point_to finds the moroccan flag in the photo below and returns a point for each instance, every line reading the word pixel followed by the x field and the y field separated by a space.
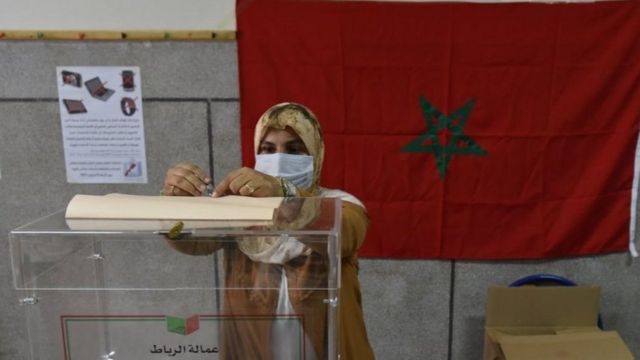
pixel 470 131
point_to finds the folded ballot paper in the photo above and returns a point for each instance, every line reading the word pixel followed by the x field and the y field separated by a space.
pixel 137 212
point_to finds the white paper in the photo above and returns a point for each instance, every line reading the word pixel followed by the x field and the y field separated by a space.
pixel 102 124
pixel 138 212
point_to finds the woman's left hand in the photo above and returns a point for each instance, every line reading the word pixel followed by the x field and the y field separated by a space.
pixel 248 182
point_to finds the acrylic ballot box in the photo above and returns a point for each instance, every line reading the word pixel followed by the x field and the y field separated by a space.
pixel 219 292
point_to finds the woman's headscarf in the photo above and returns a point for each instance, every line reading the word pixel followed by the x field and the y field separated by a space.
pixel 304 123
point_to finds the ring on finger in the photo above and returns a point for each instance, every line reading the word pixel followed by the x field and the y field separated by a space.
pixel 250 188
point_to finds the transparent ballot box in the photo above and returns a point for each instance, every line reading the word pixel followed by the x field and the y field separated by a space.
pixel 267 291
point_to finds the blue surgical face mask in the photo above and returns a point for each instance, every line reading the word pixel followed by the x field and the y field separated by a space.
pixel 296 168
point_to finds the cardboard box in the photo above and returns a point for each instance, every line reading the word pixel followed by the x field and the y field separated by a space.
pixel 548 323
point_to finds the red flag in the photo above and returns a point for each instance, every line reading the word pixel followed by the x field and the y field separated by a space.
pixel 470 131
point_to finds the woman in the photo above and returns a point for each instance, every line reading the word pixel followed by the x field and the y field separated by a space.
pixel 289 154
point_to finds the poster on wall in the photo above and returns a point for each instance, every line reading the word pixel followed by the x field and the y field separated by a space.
pixel 102 124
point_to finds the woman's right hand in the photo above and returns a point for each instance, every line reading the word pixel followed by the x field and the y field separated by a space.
pixel 185 179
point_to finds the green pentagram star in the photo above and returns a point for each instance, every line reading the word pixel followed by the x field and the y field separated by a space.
pixel 451 127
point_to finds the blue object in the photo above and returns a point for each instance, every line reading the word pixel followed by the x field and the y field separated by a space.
pixel 543 279
pixel 546 280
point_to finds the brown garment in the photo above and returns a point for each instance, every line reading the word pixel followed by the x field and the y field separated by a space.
pixel 251 292
pixel 354 343
pixel 257 283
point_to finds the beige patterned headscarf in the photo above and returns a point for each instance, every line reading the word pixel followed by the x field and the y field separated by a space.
pixel 304 123
pixel 273 249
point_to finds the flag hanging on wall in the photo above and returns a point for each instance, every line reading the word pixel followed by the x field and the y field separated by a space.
pixel 470 131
